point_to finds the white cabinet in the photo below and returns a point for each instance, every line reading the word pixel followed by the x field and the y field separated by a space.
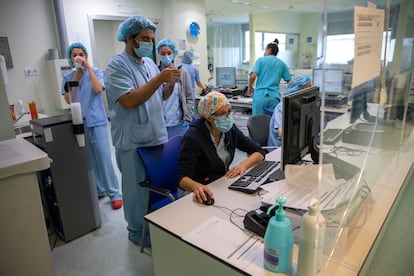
pixel 23 236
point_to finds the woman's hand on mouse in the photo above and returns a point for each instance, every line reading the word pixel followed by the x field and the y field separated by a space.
pixel 199 193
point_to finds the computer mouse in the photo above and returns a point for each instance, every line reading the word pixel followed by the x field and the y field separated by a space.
pixel 208 201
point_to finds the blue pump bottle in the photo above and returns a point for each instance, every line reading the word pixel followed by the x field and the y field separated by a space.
pixel 278 240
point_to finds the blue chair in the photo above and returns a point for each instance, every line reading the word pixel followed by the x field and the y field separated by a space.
pixel 161 165
pixel 268 111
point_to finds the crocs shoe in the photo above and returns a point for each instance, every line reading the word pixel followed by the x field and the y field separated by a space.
pixel 116 204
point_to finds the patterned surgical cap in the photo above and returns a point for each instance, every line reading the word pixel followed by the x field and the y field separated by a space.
pixel 210 103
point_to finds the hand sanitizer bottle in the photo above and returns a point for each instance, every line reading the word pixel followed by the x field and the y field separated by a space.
pixel 311 241
pixel 278 240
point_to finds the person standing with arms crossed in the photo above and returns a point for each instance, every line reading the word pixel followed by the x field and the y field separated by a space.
pixel 134 87
pixel 268 70
pixel 187 62
pixel 89 95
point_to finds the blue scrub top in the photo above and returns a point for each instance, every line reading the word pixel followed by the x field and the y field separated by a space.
pixel 270 70
pixel 92 106
pixel 275 123
pixel 173 114
pixel 194 73
pixel 144 125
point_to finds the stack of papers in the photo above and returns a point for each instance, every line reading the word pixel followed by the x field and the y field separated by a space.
pixel 302 183
pixel 226 241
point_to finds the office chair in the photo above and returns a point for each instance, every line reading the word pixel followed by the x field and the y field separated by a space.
pixel 161 165
pixel 258 127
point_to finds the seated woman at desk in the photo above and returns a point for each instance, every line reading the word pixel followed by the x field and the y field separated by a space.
pixel 297 83
pixel 208 147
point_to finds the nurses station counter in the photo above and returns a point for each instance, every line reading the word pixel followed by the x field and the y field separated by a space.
pixel 23 236
pixel 189 238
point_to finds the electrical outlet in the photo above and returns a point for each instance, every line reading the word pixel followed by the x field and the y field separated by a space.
pixel 31 71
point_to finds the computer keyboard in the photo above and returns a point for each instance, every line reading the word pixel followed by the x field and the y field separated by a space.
pixel 254 178
pixel 332 135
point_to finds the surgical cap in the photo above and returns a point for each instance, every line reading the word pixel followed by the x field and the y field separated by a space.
pixel 210 103
pixel 168 43
pixel 188 57
pixel 133 26
pixel 296 83
pixel 71 47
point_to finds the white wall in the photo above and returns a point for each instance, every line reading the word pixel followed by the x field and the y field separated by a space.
pixel 306 25
pixel 177 14
pixel 30 28
pixel 6 127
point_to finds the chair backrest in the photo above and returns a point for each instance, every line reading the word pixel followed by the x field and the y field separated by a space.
pixel 161 165
pixel 258 127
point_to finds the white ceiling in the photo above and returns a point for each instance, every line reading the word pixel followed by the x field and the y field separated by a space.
pixel 237 11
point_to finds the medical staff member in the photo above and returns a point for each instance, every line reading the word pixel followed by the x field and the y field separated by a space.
pixel 134 87
pixel 178 98
pixel 268 70
pixel 89 95
pixel 275 126
pixel 208 147
pixel 187 62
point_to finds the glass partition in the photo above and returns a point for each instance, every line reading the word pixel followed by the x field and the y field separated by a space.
pixel 362 169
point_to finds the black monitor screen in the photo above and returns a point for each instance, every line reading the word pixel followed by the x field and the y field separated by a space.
pixel 360 96
pixel 300 126
pixel 226 77
pixel 330 81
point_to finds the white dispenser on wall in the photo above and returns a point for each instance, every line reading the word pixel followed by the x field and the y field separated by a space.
pixel 57 69
pixel 312 234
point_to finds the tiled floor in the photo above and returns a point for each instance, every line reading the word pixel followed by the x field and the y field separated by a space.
pixel 107 250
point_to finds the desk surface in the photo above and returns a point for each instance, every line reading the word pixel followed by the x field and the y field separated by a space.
pixel 352 243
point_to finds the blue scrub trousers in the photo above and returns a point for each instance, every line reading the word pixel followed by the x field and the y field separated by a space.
pixel 106 180
pixel 258 105
pixel 134 196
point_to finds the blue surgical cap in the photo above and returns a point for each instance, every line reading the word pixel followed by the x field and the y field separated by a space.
pixel 296 83
pixel 168 43
pixel 70 48
pixel 133 26
pixel 188 57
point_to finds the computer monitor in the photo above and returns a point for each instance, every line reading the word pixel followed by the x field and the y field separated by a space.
pixel 226 77
pixel 360 96
pixel 300 128
pixel 331 80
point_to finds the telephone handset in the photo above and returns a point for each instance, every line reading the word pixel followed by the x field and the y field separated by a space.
pixel 256 221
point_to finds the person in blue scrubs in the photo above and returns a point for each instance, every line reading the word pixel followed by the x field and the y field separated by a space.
pixel 134 88
pixel 275 126
pixel 268 70
pixel 89 95
pixel 178 98
pixel 187 62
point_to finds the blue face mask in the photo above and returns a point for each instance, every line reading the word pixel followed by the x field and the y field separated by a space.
pixel 144 50
pixel 224 123
pixel 167 60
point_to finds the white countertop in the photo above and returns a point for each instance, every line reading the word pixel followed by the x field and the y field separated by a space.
pixel 18 156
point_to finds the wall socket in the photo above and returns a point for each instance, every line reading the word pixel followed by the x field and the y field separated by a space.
pixel 32 71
